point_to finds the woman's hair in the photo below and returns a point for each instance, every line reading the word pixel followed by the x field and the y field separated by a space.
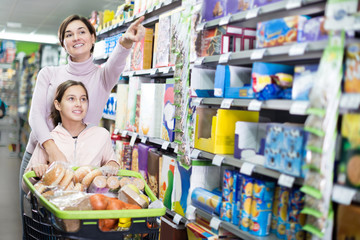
pixel 55 114
pixel 68 20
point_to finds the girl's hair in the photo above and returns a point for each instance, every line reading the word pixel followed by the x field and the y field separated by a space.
pixel 55 114
pixel 67 21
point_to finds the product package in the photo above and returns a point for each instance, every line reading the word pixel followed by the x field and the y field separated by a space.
pixel 168 113
pixel 312 30
pixel 304 78
pixel 151 109
pixel 352 79
pixel 163 41
pixel 233 82
pixel 153 170
pixel 259 3
pixel 167 174
pixel 278 32
pixel 202 84
pixel 121 108
pixel 181 193
pixel 141 54
pixel 213 9
pixel 211 41
pixel 220 137
pixel 143 150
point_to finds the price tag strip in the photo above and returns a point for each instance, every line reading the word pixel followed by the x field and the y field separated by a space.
pixel 286 180
pixel 225 20
pixel 343 195
pixel 299 107
pixel 226 103
pixel 298 49
pixel 255 105
pixel 165 145
pixel 124 133
pixel 154 71
pixel 224 58
pixel 200 27
pixel 350 101
pixel 144 139
pixel 258 54
pixel 217 160
pixel 293 4
pixel 199 61
pixel 190 212
pixel 215 223
pixel 197 101
pixel 116 131
pixel 177 219
pixel 253 13
pixel 247 168
pixel 195 154
pixel 176 148
pixel 133 139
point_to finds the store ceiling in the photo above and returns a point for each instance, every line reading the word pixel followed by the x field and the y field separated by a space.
pixel 44 16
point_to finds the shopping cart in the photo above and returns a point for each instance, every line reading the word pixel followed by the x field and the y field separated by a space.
pixel 45 220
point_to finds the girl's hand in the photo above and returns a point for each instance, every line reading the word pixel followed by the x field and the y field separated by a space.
pixel 110 169
pixel 53 152
pixel 40 169
pixel 134 33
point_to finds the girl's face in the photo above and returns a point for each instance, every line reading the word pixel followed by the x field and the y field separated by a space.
pixel 74 104
pixel 78 41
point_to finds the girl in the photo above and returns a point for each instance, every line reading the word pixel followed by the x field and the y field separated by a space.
pixel 81 143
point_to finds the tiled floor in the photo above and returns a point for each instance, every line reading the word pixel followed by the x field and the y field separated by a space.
pixel 10 221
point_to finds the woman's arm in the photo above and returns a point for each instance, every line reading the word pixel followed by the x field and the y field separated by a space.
pixel 38 116
pixel 117 60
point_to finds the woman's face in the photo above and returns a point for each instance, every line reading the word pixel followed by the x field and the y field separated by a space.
pixel 74 104
pixel 78 41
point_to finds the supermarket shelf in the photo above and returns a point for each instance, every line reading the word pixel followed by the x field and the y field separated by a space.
pixel 350 102
pixel 234 229
pixel 176 217
pixel 5 65
pixel 294 107
pixel 279 9
pixel 345 195
pixel 311 51
pixel 163 71
pixel 108 116
pixel 151 16
pixel 164 144
pixel 256 160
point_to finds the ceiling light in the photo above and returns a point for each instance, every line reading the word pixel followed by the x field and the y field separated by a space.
pixel 13 24
pixel 40 38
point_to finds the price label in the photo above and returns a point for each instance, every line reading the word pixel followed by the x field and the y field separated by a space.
pixel 190 212
pixel 215 223
pixel 176 148
pixel 133 139
pixel 154 71
pixel 350 101
pixel 199 61
pixel 124 133
pixel 226 103
pixel 195 153
pixel 200 26
pixel 130 19
pixel 225 20
pixel 167 2
pixel 116 131
pixel 255 105
pixel 197 101
pixel 131 74
pixel 247 168
pixel 286 180
pixel 258 54
pixel 177 219
pixel 293 4
pixel 224 58
pixel 298 49
pixel 217 160
pixel 299 107
pixel 253 13
pixel 343 195
pixel 144 139
pixel 165 145
pixel 167 70
pixel 141 14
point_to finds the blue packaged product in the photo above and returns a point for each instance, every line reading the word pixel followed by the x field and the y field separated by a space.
pixel 206 200
pixel 304 78
pixel 261 207
pixel 274 214
pixel 228 184
pixel 226 211
pixel 236 199
pixel 246 199
pixel 283 212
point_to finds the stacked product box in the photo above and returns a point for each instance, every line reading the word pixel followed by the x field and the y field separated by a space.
pixel 238 39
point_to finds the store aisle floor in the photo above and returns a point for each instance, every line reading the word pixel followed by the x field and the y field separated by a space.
pixel 10 221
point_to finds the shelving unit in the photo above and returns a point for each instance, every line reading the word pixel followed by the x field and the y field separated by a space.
pixel 234 229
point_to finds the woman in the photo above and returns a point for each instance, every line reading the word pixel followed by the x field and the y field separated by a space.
pixel 77 36
pixel 81 144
